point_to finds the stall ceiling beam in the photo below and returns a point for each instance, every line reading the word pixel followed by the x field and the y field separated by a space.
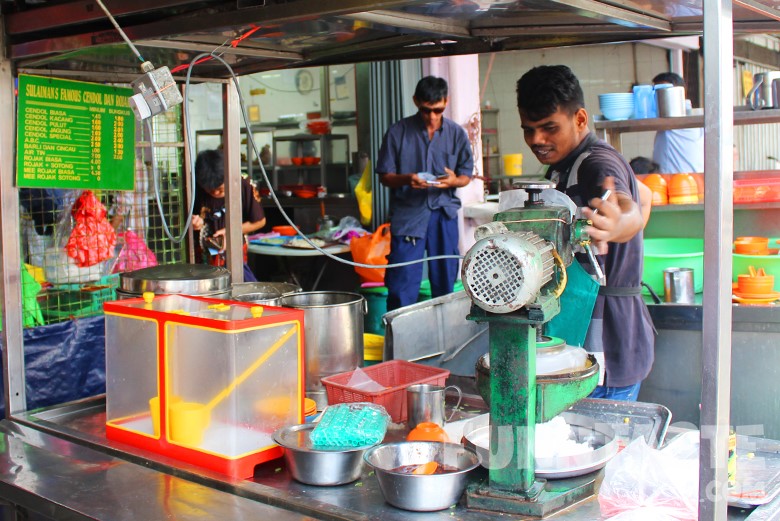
pixel 561 29
pixel 608 13
pixel 429 24
pixel 205 47
pixel 765 10
pixel 60 15
pixel 204 20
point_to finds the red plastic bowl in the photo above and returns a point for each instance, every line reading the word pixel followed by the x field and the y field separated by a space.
pixel 311 161
pixel 284 230
pixel 297 161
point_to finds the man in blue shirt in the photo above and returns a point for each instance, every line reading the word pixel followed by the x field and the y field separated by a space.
pixel 423 159
pixel 678 150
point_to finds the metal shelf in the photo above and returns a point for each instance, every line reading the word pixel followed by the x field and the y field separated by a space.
pixel 326 158
pixel 611 131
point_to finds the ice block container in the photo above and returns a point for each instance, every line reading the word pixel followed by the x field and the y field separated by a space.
pixel 203 380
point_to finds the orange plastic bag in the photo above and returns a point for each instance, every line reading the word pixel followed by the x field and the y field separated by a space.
pixel 371 249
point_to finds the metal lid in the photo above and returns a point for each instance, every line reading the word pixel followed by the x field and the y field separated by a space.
pixel 186 279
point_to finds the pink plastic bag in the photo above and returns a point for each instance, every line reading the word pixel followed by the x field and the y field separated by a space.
pixel 135 254
pixel 645 483
pixel 92 239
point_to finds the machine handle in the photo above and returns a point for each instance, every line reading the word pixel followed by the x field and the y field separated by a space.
pixel 600 278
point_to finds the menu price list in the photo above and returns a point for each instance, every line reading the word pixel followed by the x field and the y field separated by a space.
pixel 74 135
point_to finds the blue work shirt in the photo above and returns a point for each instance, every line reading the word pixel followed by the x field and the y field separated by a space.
pixel 406 149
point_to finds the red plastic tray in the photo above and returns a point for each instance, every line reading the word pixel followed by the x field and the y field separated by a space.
pixel 395 375
pixel 765 190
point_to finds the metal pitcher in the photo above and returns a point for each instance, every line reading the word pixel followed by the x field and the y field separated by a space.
pixel 764 94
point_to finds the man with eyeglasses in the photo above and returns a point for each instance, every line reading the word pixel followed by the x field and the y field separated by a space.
pixel 424 158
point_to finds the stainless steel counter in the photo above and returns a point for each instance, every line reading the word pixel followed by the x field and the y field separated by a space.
pixel 675 379
pixel 57 462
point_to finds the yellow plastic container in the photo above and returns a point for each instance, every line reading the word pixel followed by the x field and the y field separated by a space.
pixel 373 348
pixel 513 164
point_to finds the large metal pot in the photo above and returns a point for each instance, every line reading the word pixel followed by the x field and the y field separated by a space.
pixel 334 335
pixel 265 293
pixel 186 279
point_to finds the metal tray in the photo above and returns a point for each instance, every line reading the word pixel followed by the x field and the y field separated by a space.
pixel 758 472
pixel 629 420
pixel 476 436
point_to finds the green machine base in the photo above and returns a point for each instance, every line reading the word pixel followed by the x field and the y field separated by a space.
pixel 556 495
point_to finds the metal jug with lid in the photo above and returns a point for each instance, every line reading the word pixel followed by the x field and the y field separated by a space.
pixel 764 94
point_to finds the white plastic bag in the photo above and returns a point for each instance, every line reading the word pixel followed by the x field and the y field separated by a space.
pixel 646 483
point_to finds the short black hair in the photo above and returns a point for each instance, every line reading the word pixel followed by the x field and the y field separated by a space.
pixel 210 169
pixel 644 165
pixel 431 89
pixel 669 77
pixel 543 90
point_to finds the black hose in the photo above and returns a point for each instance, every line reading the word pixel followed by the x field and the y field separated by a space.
pixel 653 294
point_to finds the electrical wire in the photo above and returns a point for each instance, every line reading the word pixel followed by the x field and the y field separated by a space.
pixel 121 32
pixel 250 139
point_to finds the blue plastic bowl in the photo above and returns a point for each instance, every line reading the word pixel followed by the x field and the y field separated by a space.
pixel 614 113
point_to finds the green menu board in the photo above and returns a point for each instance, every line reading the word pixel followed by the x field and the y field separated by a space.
pixel 73 134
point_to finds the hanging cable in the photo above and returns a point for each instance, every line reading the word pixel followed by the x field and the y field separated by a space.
pixel 121 32
pixel 250 140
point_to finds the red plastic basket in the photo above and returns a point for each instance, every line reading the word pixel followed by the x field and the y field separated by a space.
pixel 395 375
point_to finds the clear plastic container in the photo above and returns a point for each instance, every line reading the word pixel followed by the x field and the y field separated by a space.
pixel 203 380
pixel 565 360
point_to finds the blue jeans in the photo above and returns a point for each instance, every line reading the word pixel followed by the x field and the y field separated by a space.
pixel 403 284
pixel 628 393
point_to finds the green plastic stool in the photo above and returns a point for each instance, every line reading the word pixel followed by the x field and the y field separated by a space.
pixel 376 301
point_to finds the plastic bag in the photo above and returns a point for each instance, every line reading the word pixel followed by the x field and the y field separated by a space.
pixel 661 484
pixel 93 238
pixel 350 425
pixel 135 254
pixel 371 249
pixel 363 192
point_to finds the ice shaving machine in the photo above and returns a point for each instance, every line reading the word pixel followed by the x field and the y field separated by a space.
pixel 514 275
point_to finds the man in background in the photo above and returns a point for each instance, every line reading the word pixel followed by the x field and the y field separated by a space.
pixel 423 159
pixel 678 150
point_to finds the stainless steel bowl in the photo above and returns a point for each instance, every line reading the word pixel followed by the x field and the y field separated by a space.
pixel 318 467
pixel 421 493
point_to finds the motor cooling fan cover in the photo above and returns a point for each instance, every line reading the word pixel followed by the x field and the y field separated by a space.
pixel 503 273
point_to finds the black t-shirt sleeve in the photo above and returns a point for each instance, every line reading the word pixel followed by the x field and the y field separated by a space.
pixel 251 211
pixel 599 165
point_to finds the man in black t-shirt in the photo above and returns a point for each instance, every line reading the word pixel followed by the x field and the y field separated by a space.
pixel 209 212
pixel 555 126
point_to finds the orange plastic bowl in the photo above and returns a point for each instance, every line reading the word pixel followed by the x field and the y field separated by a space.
pixel 311 160
pixel 751 245
pixel 428 431
pixel 297 161
pixel 284 230
pixel 655 182
pixel 683 184
pixel 755 284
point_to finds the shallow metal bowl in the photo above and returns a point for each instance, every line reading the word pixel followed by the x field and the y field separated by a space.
pixel 318 467
pixel 599 435
pixel 421 493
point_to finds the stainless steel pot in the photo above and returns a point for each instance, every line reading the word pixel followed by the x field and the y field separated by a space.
pixel 186 279
pixel 265 293
pixel 333 324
